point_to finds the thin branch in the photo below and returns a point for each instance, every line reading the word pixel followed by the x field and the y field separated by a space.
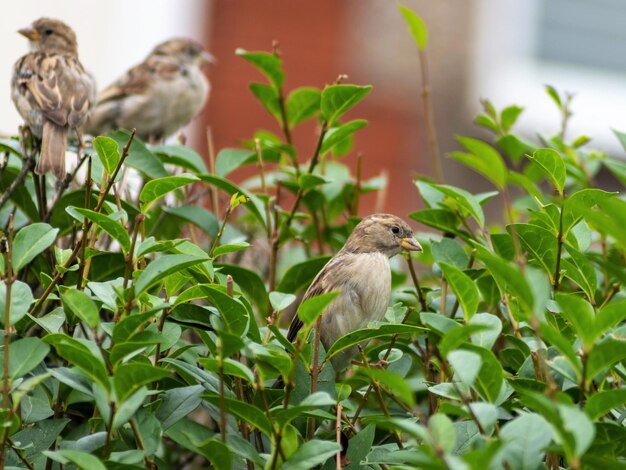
pixel 429 113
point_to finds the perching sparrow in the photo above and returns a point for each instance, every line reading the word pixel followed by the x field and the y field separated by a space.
pixel 51 90
pixel 158 96
pixel 361 273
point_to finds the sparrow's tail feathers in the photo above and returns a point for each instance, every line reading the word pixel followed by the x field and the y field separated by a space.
pixel 53 145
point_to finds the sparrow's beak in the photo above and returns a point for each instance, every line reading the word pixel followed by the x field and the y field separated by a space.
pixel 207 58
pixel 30 33
pixel 410 244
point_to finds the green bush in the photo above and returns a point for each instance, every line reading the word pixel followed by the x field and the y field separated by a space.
pixel 144 330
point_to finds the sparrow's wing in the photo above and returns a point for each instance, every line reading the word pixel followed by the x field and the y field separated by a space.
pixel 330 278
pixel 139 79
pixel 57 86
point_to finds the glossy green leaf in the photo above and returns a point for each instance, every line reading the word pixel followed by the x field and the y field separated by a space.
pixel 269 64
pixel 313 307
pixel 302 104
pixel 337 99
pixel 482 158
pixel 551 163
pixel 162 267
pixel 416 25
pixel 80 305
pixel 158 188
pixel 113 227
pixel 335 135
pixel 30 241
pixel 21 300
pixel 108 152
pixel 464 288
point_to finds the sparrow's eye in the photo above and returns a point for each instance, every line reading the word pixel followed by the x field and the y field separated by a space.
pixel 395 230
pixel 48 32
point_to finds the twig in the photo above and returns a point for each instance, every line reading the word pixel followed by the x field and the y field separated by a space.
pixel 338 434
pixel 416 283
pixel 392 343
pixel 314 372
pixel 64 184
pixel 357 185
pixel 7 335
pixel 59 275
pixel 28 163
pixel 107 442
pixel 221 231
pixel 430 117
pixel 20 455
pixel 381 398
pixel 139 441
pixel 213 189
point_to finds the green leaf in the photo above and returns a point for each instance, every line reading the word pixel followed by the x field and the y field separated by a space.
pixel 178 403
pixel 25 354
pixel 249 282
pixel 268 97
pixel 442 432
pixel 337 99
pixel 310 454
pixel 231 367
pixel 199 216
pixel 552 93
pixel 466 365
pixel 580 315
pixel 507 276
pixel 83 460
pixel 269 64
pixel 335 135
pixel 490 380
pixel 552 165
pixel 609 316
pixel 308 181
pixel 526 439
pixel 600 403
pixel 81 305
pixel 462 199
pixel 303 103
pixel 416 25
pixel 251 414
pixel 449 251
pixel 540 243
pixel 254 205
pixel 313 307
pixel 358 336
pixel 509 116
pixel 464 288
pixel 113 227
pixel 30 241
pixel 229 160
pixel 604 355
pixel 129 378
pixel 579 269
pixel 579 426
pixel 108 152
pixel 162 267
pixel 281 301
pixel 79 355
pixel 181 156
pixel 139 157
pixel 35 440
pixel 158 188
pixel 300 275
pixel 21 299
pixel 439 219
pixel 484 159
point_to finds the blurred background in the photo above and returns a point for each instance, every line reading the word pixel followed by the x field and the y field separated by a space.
pixel 503 50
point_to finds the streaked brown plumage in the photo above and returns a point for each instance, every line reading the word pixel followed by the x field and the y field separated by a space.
pixel 360 271
pixel 158 96
pixel 51 90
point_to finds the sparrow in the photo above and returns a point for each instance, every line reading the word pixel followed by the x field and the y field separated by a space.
pixel 158 96
pixel 51 90
pixel 361 273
